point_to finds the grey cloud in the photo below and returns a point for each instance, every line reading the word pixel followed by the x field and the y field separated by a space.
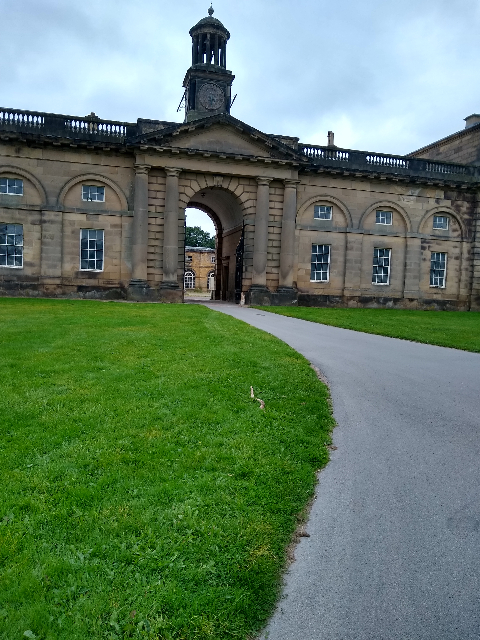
pixel 387 76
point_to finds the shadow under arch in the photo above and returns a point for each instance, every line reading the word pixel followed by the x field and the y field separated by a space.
pixel 226 210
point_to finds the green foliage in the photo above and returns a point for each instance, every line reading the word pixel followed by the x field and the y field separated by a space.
pixel 456 329
pixel 144 493
pixel 197 237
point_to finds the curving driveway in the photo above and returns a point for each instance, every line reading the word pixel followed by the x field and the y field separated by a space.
pixel 394 546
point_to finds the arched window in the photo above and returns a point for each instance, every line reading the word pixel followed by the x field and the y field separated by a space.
pixel 211 281
pixel 189 279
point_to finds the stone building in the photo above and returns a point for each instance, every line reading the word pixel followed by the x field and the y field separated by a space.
pixel 96 208
pixel 199 269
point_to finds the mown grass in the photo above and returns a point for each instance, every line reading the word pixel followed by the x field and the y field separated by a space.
pixel 456 329
pixel 144 494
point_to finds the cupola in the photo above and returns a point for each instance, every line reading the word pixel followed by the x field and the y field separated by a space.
pixel 209 42
pixel 208 82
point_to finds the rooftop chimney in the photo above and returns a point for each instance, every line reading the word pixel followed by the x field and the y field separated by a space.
pixel 470 121
pixel 331 136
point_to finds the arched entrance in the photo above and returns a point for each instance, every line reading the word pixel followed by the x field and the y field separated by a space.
pixel 226 212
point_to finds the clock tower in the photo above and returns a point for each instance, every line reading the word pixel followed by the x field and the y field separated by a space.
pixel 208 84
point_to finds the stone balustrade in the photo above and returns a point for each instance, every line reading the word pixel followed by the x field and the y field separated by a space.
pixel 95 130
pixel 52 124
pixel 349 160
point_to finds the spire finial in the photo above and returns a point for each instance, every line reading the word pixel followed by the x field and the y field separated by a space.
pixel 211 11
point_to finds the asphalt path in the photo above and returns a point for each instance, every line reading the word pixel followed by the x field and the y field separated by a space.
pixel 394 546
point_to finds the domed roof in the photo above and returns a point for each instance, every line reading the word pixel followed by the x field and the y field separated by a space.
pixel 210 21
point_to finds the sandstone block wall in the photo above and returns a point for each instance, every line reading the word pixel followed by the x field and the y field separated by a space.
pixel 53 213
pixel 462 147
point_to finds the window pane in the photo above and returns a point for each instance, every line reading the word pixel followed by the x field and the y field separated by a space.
pixel 320 263
pixel 440 222
pixel 93 193
pixel 438 266
pixel 322 212
pixel 91 249
pixel 12 186
pixel 383 217
pixel 381 266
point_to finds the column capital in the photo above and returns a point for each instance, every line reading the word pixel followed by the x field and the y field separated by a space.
pixel 142 168
pixel 264 181
pixel 172 172
pixel 290 184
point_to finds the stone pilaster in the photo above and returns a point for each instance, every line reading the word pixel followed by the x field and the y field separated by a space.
pixel 353 268
pixel 413 258
pixel 287 246
pixel 170 242
pixel 140 227
pixel 260 243
pixel 51 251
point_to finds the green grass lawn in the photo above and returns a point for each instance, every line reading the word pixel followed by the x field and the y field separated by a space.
pixel 144 494
pixel 457 329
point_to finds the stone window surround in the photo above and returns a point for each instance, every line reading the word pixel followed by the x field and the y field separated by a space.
pixel 210 275
pixel 189 279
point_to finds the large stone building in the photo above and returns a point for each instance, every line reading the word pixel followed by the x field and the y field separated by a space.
pixel 199 269
pixel 95 208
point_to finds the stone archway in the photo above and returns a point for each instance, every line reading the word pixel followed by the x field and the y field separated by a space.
pixel 226 212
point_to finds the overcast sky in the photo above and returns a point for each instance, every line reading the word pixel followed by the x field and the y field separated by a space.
pixel 384 75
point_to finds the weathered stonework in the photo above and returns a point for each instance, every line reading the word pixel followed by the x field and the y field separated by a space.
pixel 261 192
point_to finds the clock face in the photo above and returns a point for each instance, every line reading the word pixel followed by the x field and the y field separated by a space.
pixel 211 96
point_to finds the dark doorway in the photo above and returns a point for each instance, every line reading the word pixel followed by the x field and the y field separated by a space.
pixel 239 267
pixel 225 274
